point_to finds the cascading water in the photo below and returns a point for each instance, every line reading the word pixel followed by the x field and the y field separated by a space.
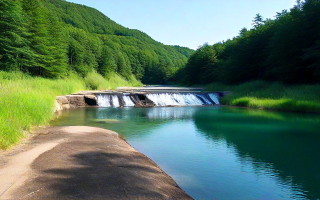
pixel 103 100
pixel 127 101
pixel 175 99
pixel 204 98
pixel 214 98
pixel 159 99
pixel 187 99
pixel 106 100
pixel 115 101
pixel 163 99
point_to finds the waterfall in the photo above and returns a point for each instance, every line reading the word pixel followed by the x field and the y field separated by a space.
pixel 163 99
pixel 214 98
pixel 127 101
pixel 115 101
pixel 156 99
pixel 175 99
pixel 103 100
pixel 204 98
pixel 106 100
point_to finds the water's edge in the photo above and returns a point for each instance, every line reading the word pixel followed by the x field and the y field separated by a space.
pixel 80 141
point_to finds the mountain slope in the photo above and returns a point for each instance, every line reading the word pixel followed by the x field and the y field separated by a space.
pixel 147 59
pixel 56 37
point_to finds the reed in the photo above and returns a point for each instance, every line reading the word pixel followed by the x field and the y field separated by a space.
pixel 271 95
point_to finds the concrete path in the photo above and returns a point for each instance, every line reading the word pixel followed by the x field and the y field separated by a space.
pixel 82 163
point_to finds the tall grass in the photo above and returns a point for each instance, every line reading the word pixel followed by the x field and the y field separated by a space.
pixel 28 101
pixel 271 95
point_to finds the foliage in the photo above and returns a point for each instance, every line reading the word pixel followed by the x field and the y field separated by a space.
pixel 49 38
pixel 95 81
pixel 271 95
pixel 14 45
pixel 27 102
pixel 285 49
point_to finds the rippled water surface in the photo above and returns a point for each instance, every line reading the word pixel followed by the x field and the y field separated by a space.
pixel 220 152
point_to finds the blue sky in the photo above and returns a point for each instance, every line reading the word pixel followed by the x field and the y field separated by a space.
pixel 188 23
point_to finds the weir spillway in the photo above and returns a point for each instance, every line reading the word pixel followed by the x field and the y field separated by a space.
pixel 139 97
pixel 157 96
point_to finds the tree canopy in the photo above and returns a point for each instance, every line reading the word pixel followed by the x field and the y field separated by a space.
pixel 285 49
pixel 50 38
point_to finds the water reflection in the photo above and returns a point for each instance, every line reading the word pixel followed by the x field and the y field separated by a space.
pixel 285 145
pixel 219 152
pixel 156 113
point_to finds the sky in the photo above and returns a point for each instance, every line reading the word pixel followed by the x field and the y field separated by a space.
pixel 188 23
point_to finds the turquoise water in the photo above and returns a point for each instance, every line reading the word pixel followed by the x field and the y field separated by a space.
pixel 221 152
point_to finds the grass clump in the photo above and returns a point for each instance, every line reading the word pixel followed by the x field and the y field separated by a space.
pixel 271 95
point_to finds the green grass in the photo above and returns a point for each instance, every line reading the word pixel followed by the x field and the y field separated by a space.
pixel 95 81
pixel 27 102
pixel 272 96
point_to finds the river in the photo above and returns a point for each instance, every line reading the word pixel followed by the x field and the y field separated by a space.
pixel 217 152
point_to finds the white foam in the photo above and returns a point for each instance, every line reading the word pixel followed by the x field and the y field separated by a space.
pixel 127 101
pixel 214 98
pixel 103 100
pixel 174 99
pixel 115 101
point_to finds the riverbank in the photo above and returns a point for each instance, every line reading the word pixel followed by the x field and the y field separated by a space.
pixel 82 163
pixel 271 96
pixel 28 102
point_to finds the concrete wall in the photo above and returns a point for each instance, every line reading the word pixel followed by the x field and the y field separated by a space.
pixel 75 101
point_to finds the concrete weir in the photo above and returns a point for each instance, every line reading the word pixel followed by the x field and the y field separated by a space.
pixel 140 97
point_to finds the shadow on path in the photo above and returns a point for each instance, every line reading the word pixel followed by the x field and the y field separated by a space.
pixel 97 166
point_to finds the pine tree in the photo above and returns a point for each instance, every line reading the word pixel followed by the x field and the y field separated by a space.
pixel 46 41
pixel 14 51
pixel 257 21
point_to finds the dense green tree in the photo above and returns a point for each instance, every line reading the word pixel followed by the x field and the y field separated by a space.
pixel 52 37
pixel 39 39
pixel 285 49
pixel 257 21
pixel 106 62
pixel 14 50
pixel 201 65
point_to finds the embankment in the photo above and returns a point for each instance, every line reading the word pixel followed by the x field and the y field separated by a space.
pixel 82 163
pixel 271 96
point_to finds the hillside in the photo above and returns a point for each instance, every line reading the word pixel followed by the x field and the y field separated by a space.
pixel 50 38
pixel 273 65
pixel 284 49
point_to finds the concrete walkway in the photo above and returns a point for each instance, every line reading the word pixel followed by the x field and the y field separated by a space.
pixel 82 163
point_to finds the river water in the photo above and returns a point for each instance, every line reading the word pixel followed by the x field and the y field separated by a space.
pixel 220 152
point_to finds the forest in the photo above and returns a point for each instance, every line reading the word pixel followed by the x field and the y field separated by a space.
pixel 285 49
pixel 53 38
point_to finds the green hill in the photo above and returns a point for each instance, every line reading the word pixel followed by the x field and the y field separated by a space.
pixel 50 38
pixel 285 49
